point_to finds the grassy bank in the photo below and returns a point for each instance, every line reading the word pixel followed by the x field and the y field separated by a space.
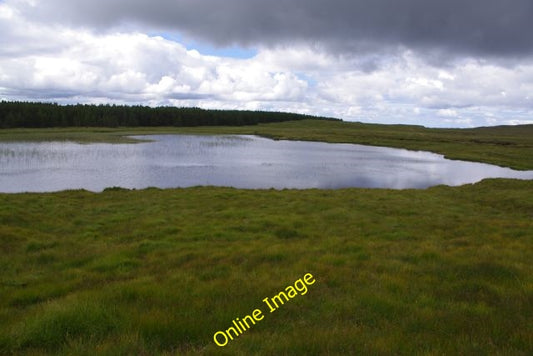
pixel 437 272
pixel 510 146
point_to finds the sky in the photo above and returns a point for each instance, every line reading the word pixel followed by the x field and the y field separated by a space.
pixel 436 63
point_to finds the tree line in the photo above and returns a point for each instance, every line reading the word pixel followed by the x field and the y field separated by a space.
pixel 37 115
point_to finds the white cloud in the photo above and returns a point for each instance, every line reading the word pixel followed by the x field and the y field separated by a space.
pixel 518 122
pixel 57 63
pixel 447 113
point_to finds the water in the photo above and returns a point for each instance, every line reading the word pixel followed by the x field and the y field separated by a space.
pixel 234 161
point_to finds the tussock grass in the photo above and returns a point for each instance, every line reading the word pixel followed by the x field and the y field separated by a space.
pixel 440 271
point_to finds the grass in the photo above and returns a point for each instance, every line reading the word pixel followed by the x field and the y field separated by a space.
pixel 440 271
pixel 508 146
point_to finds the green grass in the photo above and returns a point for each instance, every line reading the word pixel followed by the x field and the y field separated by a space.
pixel 509 146
pixel 442 271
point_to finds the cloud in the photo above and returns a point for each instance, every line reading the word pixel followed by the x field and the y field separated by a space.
pixel 473 27
pixel 129 68
pixel 107 52
pixel 447 113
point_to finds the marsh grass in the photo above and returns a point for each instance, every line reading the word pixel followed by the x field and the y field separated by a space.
pixel 440 271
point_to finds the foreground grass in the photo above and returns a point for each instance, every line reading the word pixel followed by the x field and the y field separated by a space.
pixel 509 146
pixel 440 271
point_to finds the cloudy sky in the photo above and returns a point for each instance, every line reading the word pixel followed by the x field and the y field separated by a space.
pixel 454 63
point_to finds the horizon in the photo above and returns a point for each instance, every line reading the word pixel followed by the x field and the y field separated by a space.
pixel 311 116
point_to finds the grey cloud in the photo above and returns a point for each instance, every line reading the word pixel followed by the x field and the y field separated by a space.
pixel 476 27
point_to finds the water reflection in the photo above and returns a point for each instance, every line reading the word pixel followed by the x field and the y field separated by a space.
pixel 237 161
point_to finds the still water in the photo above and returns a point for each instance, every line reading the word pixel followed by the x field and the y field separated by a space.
pixel 233 161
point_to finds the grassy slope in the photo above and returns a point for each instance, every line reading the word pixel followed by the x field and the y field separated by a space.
pixel 440 271
pixel 510 146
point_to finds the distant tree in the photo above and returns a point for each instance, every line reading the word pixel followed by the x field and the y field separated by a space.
pixel 28 114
